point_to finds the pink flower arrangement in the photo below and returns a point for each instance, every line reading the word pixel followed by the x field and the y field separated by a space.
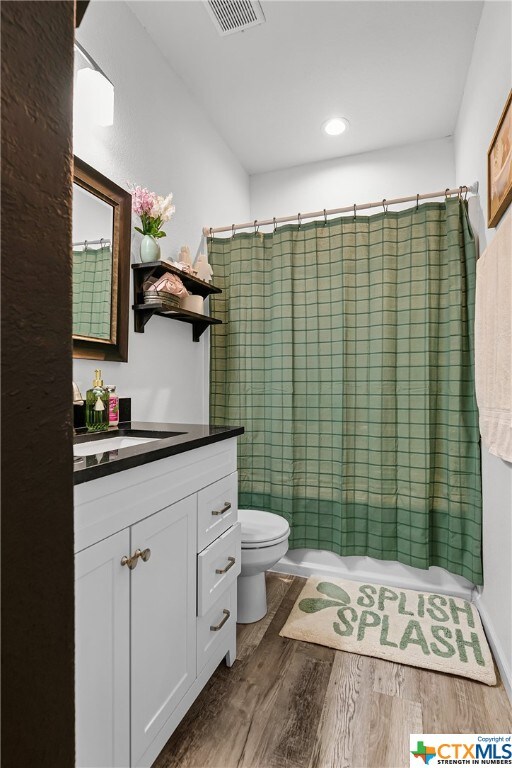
pixel 153 210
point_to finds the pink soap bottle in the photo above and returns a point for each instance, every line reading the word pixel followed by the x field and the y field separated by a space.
pixel 113 406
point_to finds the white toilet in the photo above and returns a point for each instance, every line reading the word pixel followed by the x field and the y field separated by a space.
pixel 264 542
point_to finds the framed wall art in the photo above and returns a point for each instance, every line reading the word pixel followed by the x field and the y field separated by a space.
pixel 499 167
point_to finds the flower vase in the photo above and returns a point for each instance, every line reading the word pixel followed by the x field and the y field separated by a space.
pixel 149 249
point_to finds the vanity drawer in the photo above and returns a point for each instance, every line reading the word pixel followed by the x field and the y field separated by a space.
pixel 216 509
pixel 217 568
pixel 215 627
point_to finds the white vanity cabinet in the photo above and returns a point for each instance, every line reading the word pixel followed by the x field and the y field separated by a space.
pixel 102 654
pixel 155 599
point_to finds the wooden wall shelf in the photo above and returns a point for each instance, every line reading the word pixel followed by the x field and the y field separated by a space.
pixel 144 312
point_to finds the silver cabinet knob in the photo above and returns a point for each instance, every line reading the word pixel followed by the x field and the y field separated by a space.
pixel 145 554
pixel 132 561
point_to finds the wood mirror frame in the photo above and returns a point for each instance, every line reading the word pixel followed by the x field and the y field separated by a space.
pixel 115 348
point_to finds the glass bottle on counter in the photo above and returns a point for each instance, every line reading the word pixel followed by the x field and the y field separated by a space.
pixel 113 406
pixel 96 405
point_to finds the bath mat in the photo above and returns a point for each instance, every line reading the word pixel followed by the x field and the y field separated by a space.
pixel 421 629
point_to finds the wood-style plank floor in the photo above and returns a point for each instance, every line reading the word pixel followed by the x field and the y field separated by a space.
pixel 290 704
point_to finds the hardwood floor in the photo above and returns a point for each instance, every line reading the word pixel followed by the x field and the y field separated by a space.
pixel 290 704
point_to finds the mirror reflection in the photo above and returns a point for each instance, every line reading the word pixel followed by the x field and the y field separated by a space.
pixel 93 221
pixel 101 265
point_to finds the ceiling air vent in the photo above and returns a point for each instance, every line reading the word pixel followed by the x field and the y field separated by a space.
pixel 234 15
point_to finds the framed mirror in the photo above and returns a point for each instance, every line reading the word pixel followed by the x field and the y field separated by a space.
pixel 101 265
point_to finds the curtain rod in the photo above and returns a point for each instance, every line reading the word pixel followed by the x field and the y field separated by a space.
pixel 362 206
pixel 93 242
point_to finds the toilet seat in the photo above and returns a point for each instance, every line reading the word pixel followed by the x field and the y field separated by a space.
pixel 262 529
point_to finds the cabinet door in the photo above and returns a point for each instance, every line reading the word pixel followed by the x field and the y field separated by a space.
pixel 102 662
pixel 163 624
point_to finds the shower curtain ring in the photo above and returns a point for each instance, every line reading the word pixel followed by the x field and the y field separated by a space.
pixel 460 192
pixel 446 195
pixel 101 243
pixel 465 194
pixel 275 223
pixel 232 230
pixel 355 211
pixel 85 245
pixel 325 217
pixel 299 219
pixel 384 205
pixel 256 226
pixel 417 200
pixel 211 231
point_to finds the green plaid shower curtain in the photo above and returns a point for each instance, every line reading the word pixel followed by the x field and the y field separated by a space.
pixel 347 354
pixel 92 292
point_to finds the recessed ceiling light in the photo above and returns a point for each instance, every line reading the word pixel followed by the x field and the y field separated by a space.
pixel 335 126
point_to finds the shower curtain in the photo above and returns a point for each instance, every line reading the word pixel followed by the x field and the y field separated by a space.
pixel 92 292
pixel 346 351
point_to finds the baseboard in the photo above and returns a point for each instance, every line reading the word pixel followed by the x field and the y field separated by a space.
pixel 406 579
pixel 502 662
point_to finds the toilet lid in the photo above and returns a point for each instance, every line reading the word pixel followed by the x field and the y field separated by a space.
pixel 262 528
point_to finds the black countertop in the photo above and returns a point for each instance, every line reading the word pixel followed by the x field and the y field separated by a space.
pixel 104 463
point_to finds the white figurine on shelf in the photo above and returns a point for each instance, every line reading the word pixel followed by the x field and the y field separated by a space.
pixel 185 261
pixel 184 255
pixel 203 269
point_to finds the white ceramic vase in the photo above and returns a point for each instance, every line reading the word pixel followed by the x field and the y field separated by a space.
pixel 149 249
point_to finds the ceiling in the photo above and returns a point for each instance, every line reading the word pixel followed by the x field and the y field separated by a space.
pixel 395 70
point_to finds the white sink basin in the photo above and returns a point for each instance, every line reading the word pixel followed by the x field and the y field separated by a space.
pixel 109 444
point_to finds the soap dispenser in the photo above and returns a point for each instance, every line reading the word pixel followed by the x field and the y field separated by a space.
pixel 96 405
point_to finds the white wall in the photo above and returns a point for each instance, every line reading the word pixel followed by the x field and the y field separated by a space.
pixel 424 167
pixel 160 139
pixel 487 86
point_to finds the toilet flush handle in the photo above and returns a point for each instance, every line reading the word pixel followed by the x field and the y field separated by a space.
pixel 225 508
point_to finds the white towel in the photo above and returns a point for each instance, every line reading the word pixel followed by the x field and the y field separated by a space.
pixel 493 341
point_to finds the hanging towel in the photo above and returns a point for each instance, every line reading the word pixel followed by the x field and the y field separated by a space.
pixel 493 341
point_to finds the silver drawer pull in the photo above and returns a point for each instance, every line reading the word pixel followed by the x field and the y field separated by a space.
pixel 231 562
pixel 216 628
pixel 225 508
